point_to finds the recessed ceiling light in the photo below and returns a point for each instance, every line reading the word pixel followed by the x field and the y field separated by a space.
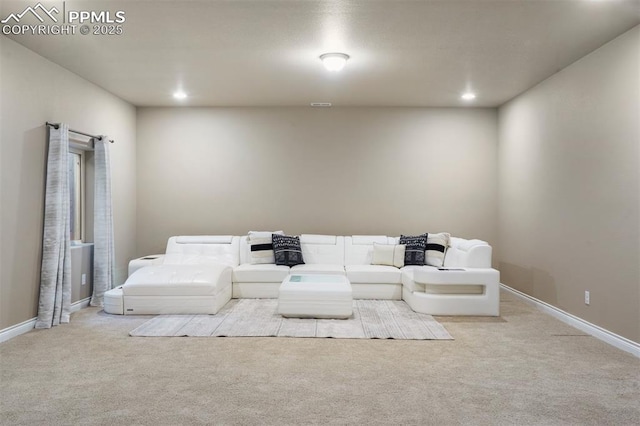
pixel 179 95
pixel 468 96
pixel 334 61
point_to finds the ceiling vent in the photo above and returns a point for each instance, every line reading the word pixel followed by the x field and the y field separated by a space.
pixel 321 104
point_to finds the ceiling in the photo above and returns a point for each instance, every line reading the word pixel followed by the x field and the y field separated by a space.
pixel 265 53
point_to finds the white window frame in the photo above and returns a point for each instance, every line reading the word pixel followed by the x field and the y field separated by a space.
pixel 82 193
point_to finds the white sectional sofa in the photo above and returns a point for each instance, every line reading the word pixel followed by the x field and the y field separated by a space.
pixel 199 274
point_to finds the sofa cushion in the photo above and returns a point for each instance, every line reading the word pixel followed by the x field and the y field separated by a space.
pixel 262 273
pixel 177 280
pixel 203 249
pixel 415 251
pixel 318 268
pixel 436 247
pixel 322 248
pixel 388 254
pixel 358 249
pixel 204 239
pixel 287 250
pixel 369 239
pixel 261 246
pixel 318 239
pixel 373 274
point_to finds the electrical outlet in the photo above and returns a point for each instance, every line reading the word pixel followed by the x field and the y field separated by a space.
pixel 84 279
pixel 586 297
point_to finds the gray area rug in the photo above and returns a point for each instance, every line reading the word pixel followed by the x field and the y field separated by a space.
pixel 371 319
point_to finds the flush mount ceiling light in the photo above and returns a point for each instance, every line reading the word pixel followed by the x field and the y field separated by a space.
pixel 468 96
pixel 179 94
pixel 334 62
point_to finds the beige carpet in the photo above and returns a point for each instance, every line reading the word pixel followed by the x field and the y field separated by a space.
pixel 524 368
pixel 371 319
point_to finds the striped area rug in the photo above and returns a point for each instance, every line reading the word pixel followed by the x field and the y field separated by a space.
pixel 371 319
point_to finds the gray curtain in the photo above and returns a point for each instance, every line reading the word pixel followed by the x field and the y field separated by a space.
pixel 103 255
pixel 55 274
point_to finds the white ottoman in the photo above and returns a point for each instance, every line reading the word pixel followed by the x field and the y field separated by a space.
pixel 315 296
pixel 113 301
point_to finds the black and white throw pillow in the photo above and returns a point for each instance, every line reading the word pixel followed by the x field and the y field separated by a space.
pixel 415 251
pixel 436 248
pixel 261 246
pixel 287 250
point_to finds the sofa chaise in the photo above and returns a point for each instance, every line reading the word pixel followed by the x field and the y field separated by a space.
pixel 200 274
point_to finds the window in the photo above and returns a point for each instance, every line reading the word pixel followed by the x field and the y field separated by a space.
pixel 77 194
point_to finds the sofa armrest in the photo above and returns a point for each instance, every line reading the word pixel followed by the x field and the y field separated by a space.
pixel 457 291
pixel 457 276
pixel 141 262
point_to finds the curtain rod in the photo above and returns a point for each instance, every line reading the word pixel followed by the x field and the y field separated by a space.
pixel 57 125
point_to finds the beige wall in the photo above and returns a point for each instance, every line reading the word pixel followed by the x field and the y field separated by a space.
pixel 34 90
pixel 81 264
pixel 566 168
pixel 569 188
pixel 305 170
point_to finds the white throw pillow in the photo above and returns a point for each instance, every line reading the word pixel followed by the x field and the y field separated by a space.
pixel 261 247
pixel 388 254
pixel 437 245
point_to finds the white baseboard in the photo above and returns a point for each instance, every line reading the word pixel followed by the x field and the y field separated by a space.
pixel 598 332
pixel 80 304
pixel 16 330
pixel 25 326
